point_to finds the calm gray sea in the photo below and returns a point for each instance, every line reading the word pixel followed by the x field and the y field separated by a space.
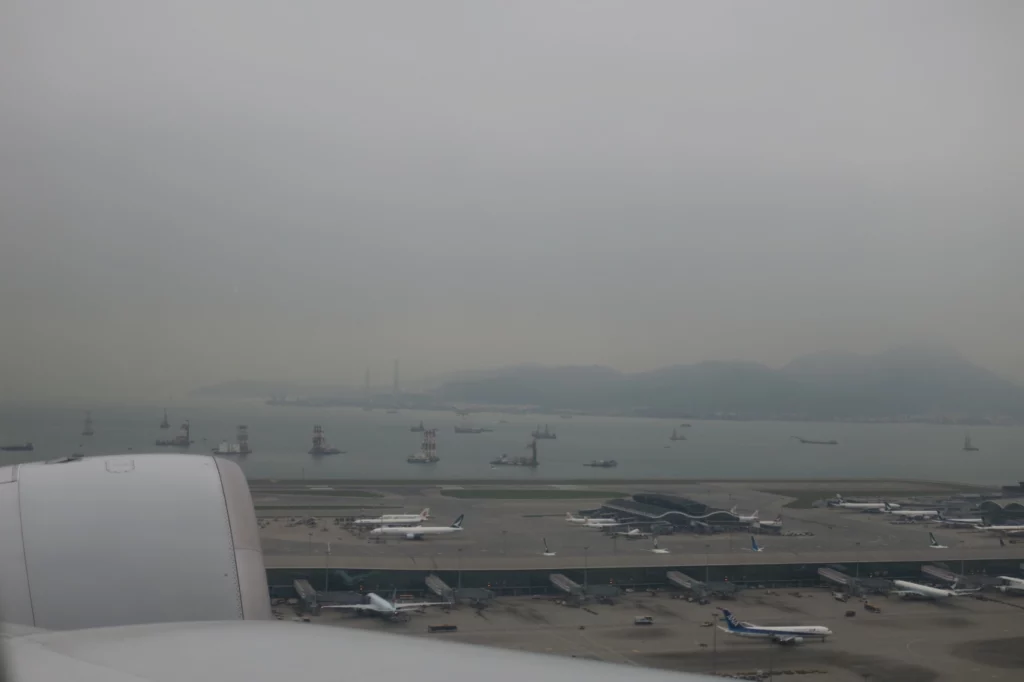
pixel 377 444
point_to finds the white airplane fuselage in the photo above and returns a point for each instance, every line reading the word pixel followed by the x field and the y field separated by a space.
pixel 909 589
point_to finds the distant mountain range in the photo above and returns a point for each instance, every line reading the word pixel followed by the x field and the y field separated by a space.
pixel 899 383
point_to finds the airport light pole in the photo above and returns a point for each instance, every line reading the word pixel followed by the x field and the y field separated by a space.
pixel 585 550
pixel 714 643
pixel 327 569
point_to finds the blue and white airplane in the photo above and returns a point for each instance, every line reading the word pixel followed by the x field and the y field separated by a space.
pixel 754 547
pixel 785 634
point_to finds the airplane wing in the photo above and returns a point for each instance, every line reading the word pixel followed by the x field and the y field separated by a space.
pixel 353 607
pixel 251 651
pixel 419 605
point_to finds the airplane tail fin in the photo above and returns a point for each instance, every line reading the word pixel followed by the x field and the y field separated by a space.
pixel 931 536
pixel 425 514
pixel 733 510
pixel 457 523
pixel 753 544
pixel 655 543
pixel 885 505
pixel 545 541
pixel 755 513
pixel 568 516
pixel 730 619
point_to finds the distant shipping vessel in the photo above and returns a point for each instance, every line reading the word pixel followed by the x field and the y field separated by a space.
pixel 603 463
pixel 165 424
pixel 240 447
pixel 531 461
pixel 684 426
pixel 816 442
pixel 968 446
pixel 471 429
pixel 676 436
pixel 320 446
pixel 546 434
pixel 417 429
pixel 428 449
pixel 87 429
pixel 182 440
pixel 23 447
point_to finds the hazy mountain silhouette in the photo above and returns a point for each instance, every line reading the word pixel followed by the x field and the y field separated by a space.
pixel 829 385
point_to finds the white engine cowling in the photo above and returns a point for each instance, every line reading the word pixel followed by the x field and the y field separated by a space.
pixel 128 539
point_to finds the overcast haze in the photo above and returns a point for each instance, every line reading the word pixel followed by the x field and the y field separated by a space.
pixel 200 191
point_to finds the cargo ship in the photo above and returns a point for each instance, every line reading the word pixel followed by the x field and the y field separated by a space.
pixel 531 461
pixel 320 446
pixel 428 449
pixel 469 429
pixel 603 463
pixel 816 442
pixel 676 436
pixel 240 447
pixel 546 434
pixel 165 424
pixel 182 440
pixel 968 445
pixel 22 447
pixel 417 429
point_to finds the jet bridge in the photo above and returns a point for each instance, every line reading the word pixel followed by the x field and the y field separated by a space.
pixel 565 585
pixel 440 588
pixel 687 583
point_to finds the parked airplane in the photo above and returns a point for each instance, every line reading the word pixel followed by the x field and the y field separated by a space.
pixel 419 532
pixel 395 519
pixel 754 547
pixel 777 523
pixel 744 519
pixel 658 550
pixel 966 523
pixel 379 606
pixel 547 552
pixel 785 634
pixel 631 534
pixel 910 513
pixel 1011 585
pixel 863 506
pixel 575 519
pixel 934 544
pixel 1002 530
pixel 909 590
pixel 602 523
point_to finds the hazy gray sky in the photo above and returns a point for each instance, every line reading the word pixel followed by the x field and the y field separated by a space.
pixel 207 190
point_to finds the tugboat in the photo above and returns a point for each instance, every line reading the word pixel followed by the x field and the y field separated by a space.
pixel 676 436
pixel 417 429
pixel 320 446
pixel 546 434
pixel 23 447
pixel 428 449
pixel 603 463
pixel 182 440
pixel 87 429
pixel 165 424
pixel 531 462
pixel 816 442
pixel 241 447
pixel 968 446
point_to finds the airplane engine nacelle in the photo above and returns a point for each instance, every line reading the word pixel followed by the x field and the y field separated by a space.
pixel 129 539
pixel 410 536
